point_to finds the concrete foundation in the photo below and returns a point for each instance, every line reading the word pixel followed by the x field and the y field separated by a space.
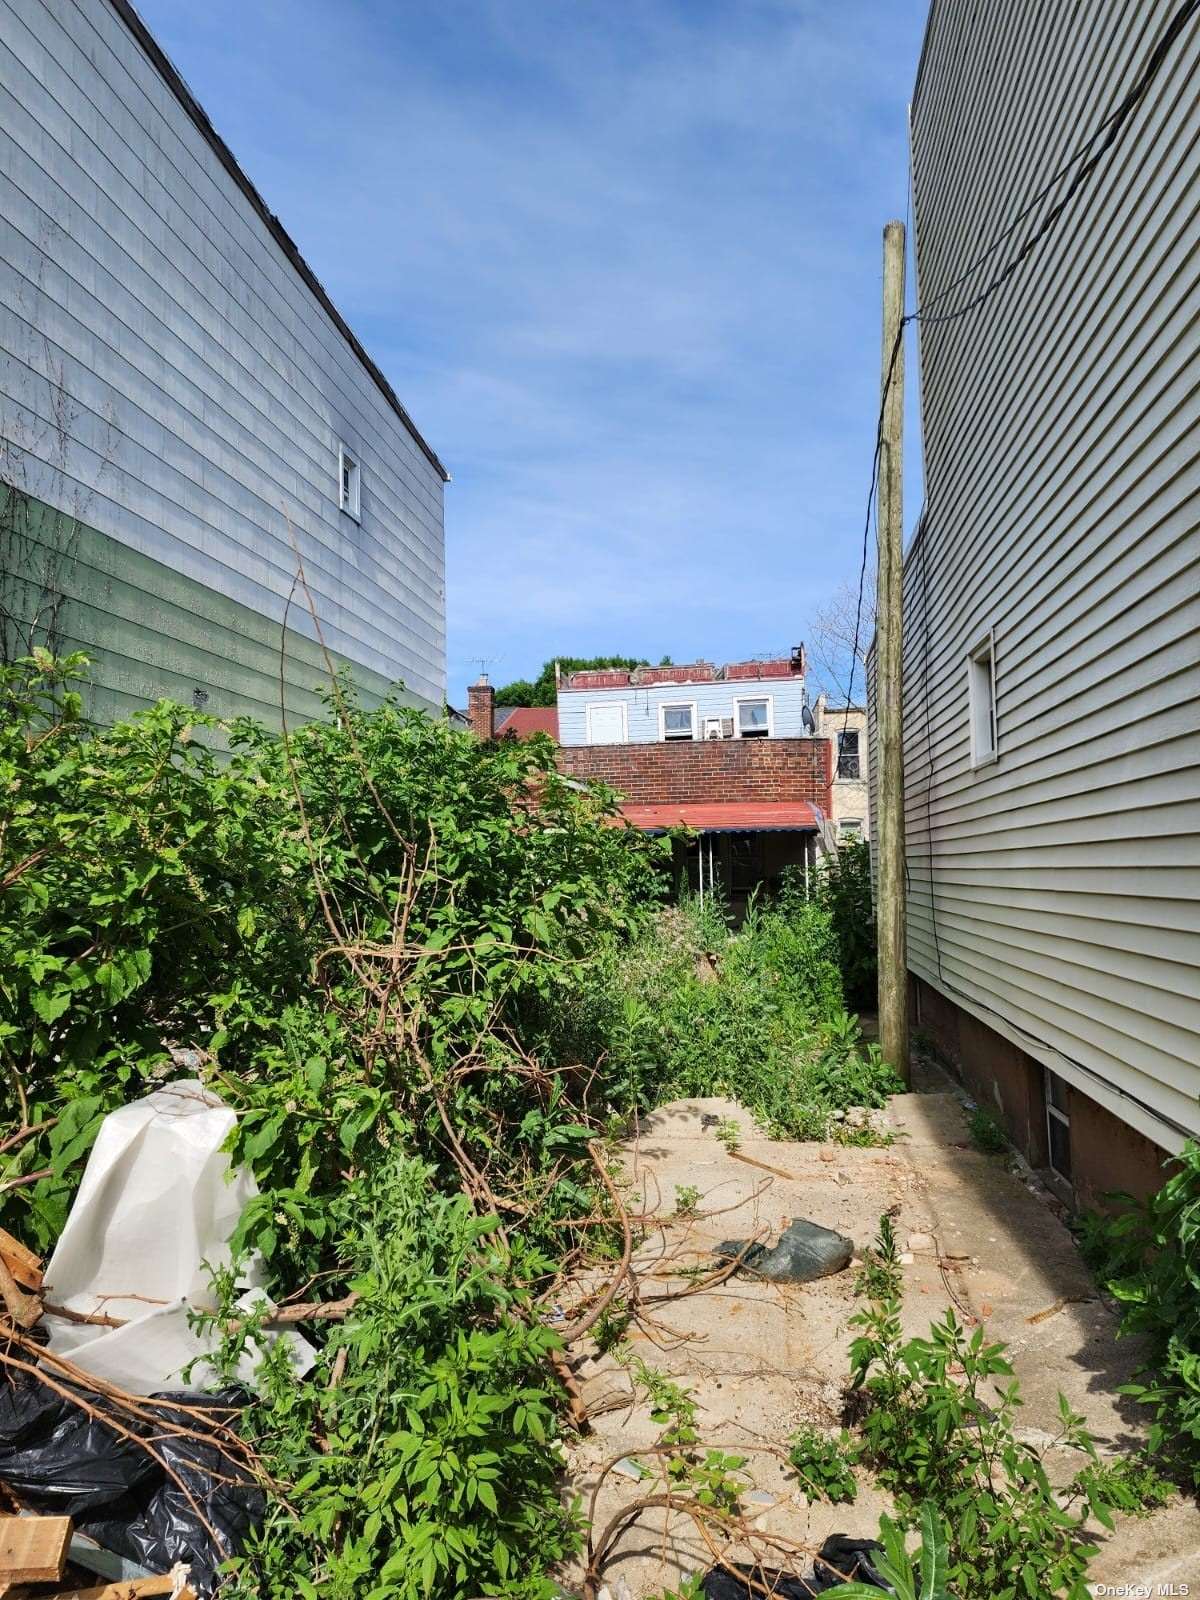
pixel 1097 1154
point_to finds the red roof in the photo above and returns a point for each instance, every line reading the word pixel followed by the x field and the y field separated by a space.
pixel 522 722
pixel 731 817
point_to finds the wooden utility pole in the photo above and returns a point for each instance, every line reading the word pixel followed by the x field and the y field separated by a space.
pixel 889 828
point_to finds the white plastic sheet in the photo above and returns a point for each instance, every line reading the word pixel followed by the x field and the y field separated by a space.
pixel 156 1209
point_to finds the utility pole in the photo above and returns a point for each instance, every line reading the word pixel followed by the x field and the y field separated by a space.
pixel 889 832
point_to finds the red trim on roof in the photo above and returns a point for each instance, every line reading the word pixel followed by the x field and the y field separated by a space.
pixel 522 722
pixel 730 817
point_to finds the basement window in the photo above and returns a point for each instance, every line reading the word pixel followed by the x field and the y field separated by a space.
pixel 679 722
pixel 349 483
pixel 981 686
pixel 850 828
pixel 754 719
pixel 1058 1125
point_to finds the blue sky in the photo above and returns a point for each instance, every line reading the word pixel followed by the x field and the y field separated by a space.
pixel 621 263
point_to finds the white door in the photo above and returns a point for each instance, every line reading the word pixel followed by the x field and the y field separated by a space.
pixel 606 724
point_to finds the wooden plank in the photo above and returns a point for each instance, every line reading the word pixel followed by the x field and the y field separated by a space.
pixel 33 1549
pixel 129 1589
pixel 25 1267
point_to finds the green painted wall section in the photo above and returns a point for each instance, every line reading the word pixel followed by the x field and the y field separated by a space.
pixel 152 633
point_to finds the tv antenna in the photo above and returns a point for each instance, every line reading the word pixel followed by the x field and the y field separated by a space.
pixel 483 663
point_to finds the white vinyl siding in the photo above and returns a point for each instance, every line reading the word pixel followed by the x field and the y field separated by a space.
pixel 210 388
pixel 1060 424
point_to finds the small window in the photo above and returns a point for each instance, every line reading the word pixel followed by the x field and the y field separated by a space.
pixel 850 828
pixel 679 722
pixel 847 763
pixel 754 719
pixel 1058 1125
pixel 981 682
pixel 348 483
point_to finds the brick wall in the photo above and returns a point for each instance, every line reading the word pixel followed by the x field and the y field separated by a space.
pixel 708 770
pixel 481 710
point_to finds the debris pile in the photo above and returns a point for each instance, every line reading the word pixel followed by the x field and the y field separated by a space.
pixel 112 1415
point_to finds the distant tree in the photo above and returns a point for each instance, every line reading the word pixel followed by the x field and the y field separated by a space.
pixel 834 641
pixel 541 692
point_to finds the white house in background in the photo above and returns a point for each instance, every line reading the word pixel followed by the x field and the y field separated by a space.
pixel 654 705
pixel 184 412
pixel 1052 596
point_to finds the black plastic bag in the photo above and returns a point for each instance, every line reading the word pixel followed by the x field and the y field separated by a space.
pixel 60 1461
pixel 840 1560
pixel 803 1251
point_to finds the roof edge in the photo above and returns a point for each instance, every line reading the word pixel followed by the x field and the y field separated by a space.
pixel 199 117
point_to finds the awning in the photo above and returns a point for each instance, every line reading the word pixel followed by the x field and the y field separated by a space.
pixel 783 816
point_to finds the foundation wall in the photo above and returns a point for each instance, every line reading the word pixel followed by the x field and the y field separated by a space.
pixel 1106 1154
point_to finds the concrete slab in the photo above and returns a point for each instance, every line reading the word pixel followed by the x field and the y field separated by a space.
pixel 760 1360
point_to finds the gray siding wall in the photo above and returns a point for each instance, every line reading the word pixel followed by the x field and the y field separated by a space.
pixel 168 376
pixel 1057 892
pixel 710 699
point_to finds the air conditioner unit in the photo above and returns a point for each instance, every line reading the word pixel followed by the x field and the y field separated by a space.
pixel 727 727
pixel 712 728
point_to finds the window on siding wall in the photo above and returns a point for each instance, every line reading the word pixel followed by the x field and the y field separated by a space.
pixel 754 719
pixel 847 744
pixel 349 483
pixel 679 722
pixel 981 686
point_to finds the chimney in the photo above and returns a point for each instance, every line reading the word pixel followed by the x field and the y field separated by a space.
pixel 481 708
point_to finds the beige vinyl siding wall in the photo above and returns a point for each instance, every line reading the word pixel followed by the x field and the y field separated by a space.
pixel 1061 427
pixel 208 387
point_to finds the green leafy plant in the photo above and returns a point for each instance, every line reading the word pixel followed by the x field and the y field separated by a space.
pixel 1132 1484
pixel 824 1465
pixel 729 1133
pixel 713 1479
pixel 923 1579
pixel 843 890
pixel 687 1198
pixel 987 1134
pixel 879 1277
pixel 1148 1256
pixel 935 1432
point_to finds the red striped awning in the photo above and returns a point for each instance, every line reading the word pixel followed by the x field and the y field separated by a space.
pixel 783 816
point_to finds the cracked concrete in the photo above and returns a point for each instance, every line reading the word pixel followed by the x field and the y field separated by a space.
pixel 761 1359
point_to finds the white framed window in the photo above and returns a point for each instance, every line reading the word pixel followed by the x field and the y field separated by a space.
pixel 1058 1125
pixel 850 828
pixel 677 721
pixel 754 718
pixel 848 765
pixel 981 695
pixel 349 483
pixel 607 723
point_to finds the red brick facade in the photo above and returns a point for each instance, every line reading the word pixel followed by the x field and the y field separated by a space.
pixel 711 769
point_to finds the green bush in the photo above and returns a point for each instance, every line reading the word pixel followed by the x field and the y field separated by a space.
pixel 424 971
pixel 350 929
pixel 844 891
pixel 823 1465
pixel 692 1008
pixel 1149 1258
